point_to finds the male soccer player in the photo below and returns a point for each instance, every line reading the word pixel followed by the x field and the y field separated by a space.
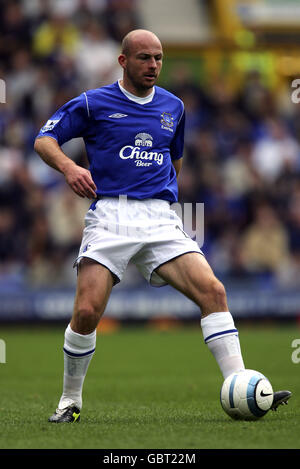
pixel 134 133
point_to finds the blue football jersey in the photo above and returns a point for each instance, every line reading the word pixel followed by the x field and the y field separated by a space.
pixel 130 146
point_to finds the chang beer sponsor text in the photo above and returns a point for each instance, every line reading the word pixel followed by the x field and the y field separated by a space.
pixel 139 153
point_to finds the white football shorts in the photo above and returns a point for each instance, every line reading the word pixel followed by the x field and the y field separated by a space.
pixel 146 232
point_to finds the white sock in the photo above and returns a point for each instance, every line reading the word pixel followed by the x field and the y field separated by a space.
pixel 222 339
pixel 78 352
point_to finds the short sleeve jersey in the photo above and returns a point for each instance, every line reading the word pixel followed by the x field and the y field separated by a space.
pixel 130 146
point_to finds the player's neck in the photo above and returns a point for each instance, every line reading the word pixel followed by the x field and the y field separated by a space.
pixel 134 91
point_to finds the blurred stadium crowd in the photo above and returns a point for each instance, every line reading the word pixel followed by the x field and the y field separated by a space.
pixel 242 153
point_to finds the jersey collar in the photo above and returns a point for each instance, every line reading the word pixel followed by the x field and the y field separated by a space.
pixel 137 99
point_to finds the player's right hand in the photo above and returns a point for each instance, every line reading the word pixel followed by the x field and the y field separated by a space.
pixel 80 181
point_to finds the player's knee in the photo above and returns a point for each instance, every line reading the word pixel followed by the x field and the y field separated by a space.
pixel 219 290
pixel 87 312
pixel 216 296
pixel 86 317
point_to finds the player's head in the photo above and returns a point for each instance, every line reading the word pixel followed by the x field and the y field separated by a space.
pixel 141 60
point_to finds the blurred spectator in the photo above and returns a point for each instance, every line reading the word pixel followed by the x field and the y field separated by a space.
pixel 255 100
pixel 240 176
pixel 10 249
pixel 15 31
pixel 202 151
pixel 292 218
pixel 121 17
pixel 264 245
pixel 275 151
pixel 21 80
pixel 65 215
pixel 43 96
pixel 187 184
pixel 57 35
pixel 44 257
pixel 288 275
pixel 241 160
pixel 96 57
pixel 231 128
pixel 221 256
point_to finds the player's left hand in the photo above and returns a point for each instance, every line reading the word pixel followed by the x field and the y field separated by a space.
pixel 80 181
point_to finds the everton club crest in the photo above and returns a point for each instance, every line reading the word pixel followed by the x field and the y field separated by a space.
pixel 167 121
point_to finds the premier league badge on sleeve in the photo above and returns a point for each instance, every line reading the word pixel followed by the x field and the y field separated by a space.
pixel 50 124
pixel 167 121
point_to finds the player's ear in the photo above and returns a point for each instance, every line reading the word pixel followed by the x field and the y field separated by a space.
pixel 122 60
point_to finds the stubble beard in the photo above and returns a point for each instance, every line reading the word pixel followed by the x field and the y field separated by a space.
pixel 138 84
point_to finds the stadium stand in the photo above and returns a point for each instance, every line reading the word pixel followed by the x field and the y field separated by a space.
pixel 242 158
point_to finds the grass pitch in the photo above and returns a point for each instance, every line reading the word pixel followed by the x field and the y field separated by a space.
pixel 145 389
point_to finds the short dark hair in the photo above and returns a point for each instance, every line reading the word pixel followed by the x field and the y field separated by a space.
pixel 125 47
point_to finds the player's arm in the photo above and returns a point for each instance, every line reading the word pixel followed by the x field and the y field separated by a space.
pixel 78 178
pixel 177 165
pixel 177 144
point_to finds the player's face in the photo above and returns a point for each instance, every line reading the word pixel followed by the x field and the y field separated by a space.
pixel 142 67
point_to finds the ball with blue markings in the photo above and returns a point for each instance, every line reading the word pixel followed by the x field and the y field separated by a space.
pixel 246 395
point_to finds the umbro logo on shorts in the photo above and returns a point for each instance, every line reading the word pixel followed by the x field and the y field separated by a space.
pixel 118 115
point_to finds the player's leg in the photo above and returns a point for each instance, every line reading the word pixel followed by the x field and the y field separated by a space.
pixel 94 286
pixel 191 274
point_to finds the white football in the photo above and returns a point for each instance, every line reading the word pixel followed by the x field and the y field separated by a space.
pixel 246 395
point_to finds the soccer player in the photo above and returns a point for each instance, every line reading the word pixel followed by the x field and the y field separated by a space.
pixel 134 134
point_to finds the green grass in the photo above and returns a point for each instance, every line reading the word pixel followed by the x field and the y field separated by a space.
pixel 144 389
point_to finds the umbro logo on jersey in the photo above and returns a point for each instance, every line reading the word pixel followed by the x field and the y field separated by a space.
pixel 118 115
